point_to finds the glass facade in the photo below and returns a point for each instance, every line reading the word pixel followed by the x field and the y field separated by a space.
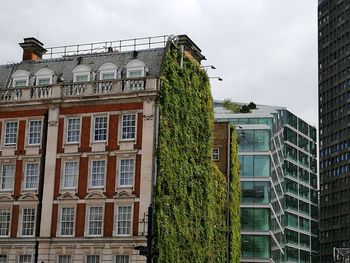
pixel 279 197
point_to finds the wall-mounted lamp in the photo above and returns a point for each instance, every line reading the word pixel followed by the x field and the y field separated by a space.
pixel 209 66
pixel 218 78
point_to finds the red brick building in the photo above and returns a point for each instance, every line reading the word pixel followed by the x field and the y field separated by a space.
pixel 77 140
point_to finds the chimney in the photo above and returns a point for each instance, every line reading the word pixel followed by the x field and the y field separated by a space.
pixel 32 49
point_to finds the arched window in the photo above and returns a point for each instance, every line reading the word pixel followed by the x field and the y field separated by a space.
pixel 135 68
pixel 20 78
pixel 43 77
pixel 107 71
pixel 81 73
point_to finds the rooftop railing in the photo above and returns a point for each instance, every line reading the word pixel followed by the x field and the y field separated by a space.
pixel 80 89
pixel 107 46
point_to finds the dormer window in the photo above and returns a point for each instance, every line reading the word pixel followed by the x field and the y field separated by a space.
pixel 20 78
pixel 108 71
pixel 43 77
pixel 135 69
pixel 81 73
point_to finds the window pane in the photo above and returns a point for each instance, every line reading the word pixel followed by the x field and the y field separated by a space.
pixel 255 219
pixel 135 73
pixel 81 78
pixel 107 76
pixel 261 165
pixel 73 130
pixel 100 128
pixel 126 172
pixel 28 221
pixel 97 174
pixel 3 258
pixel 67 221
pixel 64 259
pixel 25 259
pixel 92 259
pixel 70 175
pixel 7 174
pixel 122 259
pixel 255 192
pixel 31 175
pixel 255 246
pixel 34 132
pixel 5 215
pixel 261 140
pixel 124 220
pixel 20 83
pixel 10 132
pixel 95 221
pixel 128 126
pixel 43 81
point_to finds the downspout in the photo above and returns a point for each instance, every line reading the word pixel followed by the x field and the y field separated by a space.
pixel 41 186
pixel 228 219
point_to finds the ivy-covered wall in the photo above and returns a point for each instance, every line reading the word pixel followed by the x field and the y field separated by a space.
pixel 190 197
pixel 235 199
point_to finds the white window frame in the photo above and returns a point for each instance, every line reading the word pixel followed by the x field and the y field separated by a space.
pixel 29 222
pixel 2 176
pixel 95 261
pixel 95 129
pixel 107 68
pixel 64 167
pixel 6 225
pixel 122 127
pixel 68 130
pixel 117 221
pixel 215 154
pixel 44 74
pixel 92 161
pixel 6 131
pixel 64 258
pixel 135 65
pixel 20 76
pixel 68 222
pixel 35 133
pixel 88 220
pixel 29 260
pixel 81 70
pixel 26 175
pixel 123 258
pixel 120 185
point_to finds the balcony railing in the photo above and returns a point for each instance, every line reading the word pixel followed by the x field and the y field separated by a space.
pixel 72 90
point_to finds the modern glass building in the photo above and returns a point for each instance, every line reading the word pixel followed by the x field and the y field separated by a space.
pixel 334 133
pixel 278 169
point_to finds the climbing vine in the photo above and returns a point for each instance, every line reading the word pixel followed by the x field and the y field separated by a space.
pixel 190 198
pixel 235 201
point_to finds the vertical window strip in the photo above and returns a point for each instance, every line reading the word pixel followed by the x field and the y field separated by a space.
pixel 34 132
pixel 67 221
pixel 122 259
pixel 92 259
pixel 70 175
pixel 31 175
pixel 128 126
pixel 64 259
pixel 11 132
pixel 7 174
pixel 25 259
pixel 126 172
pixel 124 220
pixel 73 130
pixel 95 221
pixel 100 128
pixel 5 216
pixel 97 174
pixel 28 221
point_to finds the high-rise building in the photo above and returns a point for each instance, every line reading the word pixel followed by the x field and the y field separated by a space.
pixel 78 128
pixel 278 173
pixel 334 132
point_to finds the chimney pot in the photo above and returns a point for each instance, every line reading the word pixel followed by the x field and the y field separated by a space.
pixel 33 49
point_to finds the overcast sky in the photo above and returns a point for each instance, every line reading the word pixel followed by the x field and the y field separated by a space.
pixel 265 50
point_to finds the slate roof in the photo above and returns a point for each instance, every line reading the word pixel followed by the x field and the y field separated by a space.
pixel 63 67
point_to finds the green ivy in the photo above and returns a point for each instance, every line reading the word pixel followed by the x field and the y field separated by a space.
pixel 235 201
pixel 190 196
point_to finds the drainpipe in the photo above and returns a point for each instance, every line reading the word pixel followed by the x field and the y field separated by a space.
pixel 41 186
